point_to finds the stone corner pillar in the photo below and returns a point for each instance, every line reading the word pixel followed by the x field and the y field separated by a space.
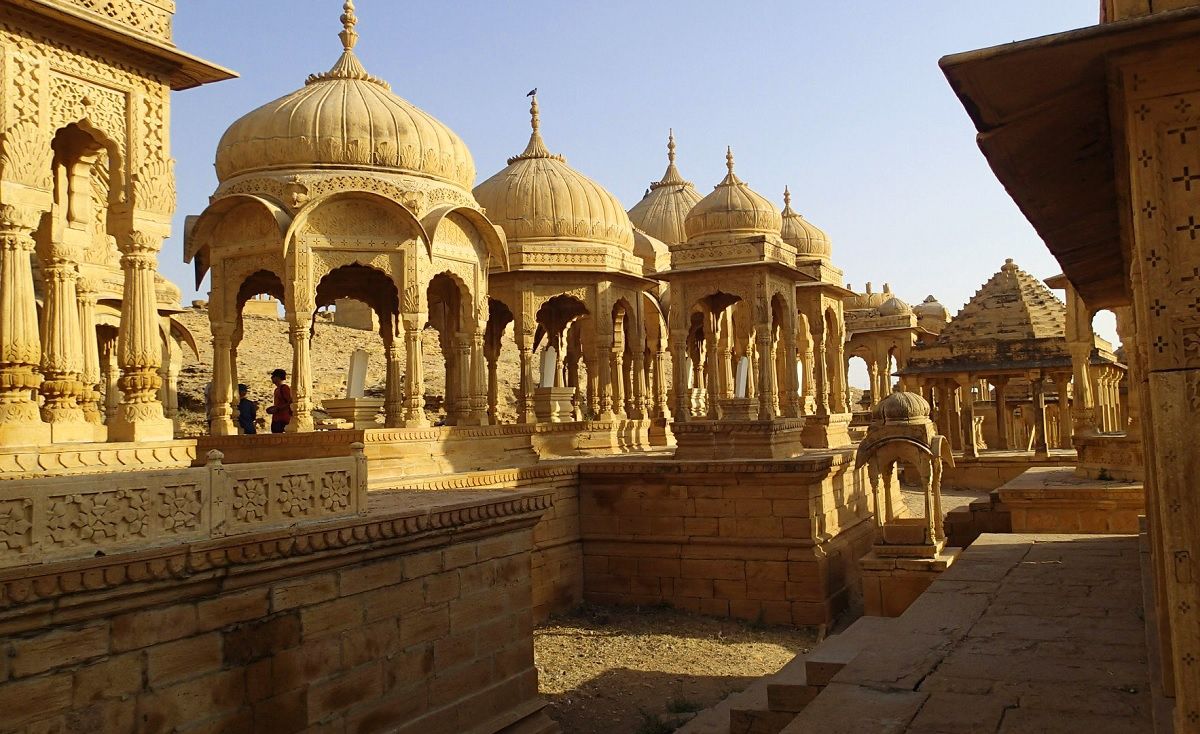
pixel 414 382
pixel 300 335
pixel 139 416
pixel 20 343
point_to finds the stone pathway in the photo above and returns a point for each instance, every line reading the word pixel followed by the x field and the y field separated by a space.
pixel 1025 633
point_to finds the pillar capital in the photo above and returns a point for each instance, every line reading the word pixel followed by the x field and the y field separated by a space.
pixel 19 219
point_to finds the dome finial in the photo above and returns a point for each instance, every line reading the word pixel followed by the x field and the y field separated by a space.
pixel 536 147
pixel 671 177
pixel 671 145
pixel 729 159
pixel 349 20
pixel 787 197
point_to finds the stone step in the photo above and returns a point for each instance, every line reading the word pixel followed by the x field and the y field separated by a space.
pixel 828 658
pixel 754 721
pixel 788 690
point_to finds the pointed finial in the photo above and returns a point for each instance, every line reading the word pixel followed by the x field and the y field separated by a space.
pixel 670 145
pixel 349 20
pixel 536 147
pixel 729 158
pixel 535 120
pixel 787 197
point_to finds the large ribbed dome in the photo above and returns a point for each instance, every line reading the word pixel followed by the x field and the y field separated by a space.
pixel 732 208
pixel 539 197
pixel 344 118
pixel 663 209
pixel 808 239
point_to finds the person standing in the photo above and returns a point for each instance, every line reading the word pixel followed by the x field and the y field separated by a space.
pixel 281 411
pixel 247 411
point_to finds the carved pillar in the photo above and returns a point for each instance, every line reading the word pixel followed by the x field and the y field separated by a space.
pixel 637 379
pixel 462 409
pixel 618 382
pixel 792 406
pixel 221 393
pixel 479 395
pixel 1041 447
pixel 679 365
pixel 662 408
pixel 493 391
pixel 235 341
pixel 89 375
pixel 109 375
pixel 766 371
pixel 873 381
pixel 809 397
pixel 169 373
pixel 970 447
pixel 62 349
pixel 140 415
pixel 20 346
pixel 393 390
pixel 300 335
pixel 714 366
pixel 414 384
pixel 1129 339
pixel 821 376
pixel 1002 430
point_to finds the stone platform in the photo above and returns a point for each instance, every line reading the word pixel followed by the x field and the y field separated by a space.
pixel 993 468
pixel 1050 500
pixel 1024 633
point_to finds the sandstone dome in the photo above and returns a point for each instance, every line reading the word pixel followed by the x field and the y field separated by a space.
pixel 732 208
pixel 662 211
pixel 537 196
pixel 931 309
pixel 894 307
pixel 344 118
pixel 901 407
pixel 808 239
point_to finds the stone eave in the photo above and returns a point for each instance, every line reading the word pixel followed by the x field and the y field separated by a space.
pixel 1048 138
pixel 186 70
pixel 667 275
pixel 982 368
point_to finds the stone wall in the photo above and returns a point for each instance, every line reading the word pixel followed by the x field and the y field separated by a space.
pixel 418 616
pixel 776 541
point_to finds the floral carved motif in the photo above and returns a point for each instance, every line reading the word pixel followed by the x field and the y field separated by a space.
pixel 15 524
pixel 102 517
pixel 25 155
pixel 250 500
pixel 296 494
pixel 180 509
pixel 154 187
pixel 335 491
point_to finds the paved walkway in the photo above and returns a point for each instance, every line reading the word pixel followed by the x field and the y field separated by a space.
pixel 1025 633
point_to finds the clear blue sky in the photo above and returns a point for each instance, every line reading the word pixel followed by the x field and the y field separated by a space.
pixel 841 100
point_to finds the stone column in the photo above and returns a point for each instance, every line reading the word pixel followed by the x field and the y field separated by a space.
pixel 479 395
pixel 493 390
pixel 618 383
pixel 89 375
pixel 462 408
pixel 221 393
pixel 1041 448
pixel 809 398
pixel 300 335
pixel 414 384
pixel 1003 434
pixel 393 391
pixel 62 348
pixel 679 365
pixel 766 371
pixel 1129 339
pixel 235 341
pixel 873 381
pixel 970 447
pixel 714 368
pixel 792 407
pixel 662 408
pixel 20 345
pixel 821 377
pixel 140 415
pixel 110 374
pixel 637 375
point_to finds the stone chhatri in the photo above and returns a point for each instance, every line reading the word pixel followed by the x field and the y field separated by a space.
pixel 809 240
pixel 344 118
pixel 732 207
pixel 538 197
pixel 662 211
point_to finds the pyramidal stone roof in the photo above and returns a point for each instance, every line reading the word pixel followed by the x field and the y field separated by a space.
pixel 1013 305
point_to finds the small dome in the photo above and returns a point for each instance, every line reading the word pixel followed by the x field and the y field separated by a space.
pixel 662 211
pixel 732 208
pixel 344 118
pixel 868 300
pixel 931 309
pixel 894 307
pixel 808 239
pixel 901 407
pixel 539 197
pixel 654 253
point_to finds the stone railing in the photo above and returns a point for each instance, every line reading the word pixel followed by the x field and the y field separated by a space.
pixel 145 17
pixel 62 518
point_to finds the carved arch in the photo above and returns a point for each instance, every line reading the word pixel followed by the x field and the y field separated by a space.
pixel 199 232
pixel 314 205
pixel 496 244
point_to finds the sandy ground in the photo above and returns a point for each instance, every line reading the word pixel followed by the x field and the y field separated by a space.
pixel 610 670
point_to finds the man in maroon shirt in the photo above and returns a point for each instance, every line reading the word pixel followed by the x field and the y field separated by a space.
pixel 281 411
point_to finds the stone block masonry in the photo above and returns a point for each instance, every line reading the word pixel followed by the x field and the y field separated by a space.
pixel 414 618
pixel 776 541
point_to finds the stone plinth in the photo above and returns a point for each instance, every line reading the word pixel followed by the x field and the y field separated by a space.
pixel 1051 500
pixel 357 412
pixel 739 409
pixel 343 625
pixel 774 541
pixel 738 439
pixel 554 404
pixel 268 308
pixel 890 584
pixel 591 438
pixel 1110 456
pixel 34 462
pixel 827 431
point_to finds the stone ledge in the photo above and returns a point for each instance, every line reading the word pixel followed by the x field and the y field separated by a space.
pixel 28 593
